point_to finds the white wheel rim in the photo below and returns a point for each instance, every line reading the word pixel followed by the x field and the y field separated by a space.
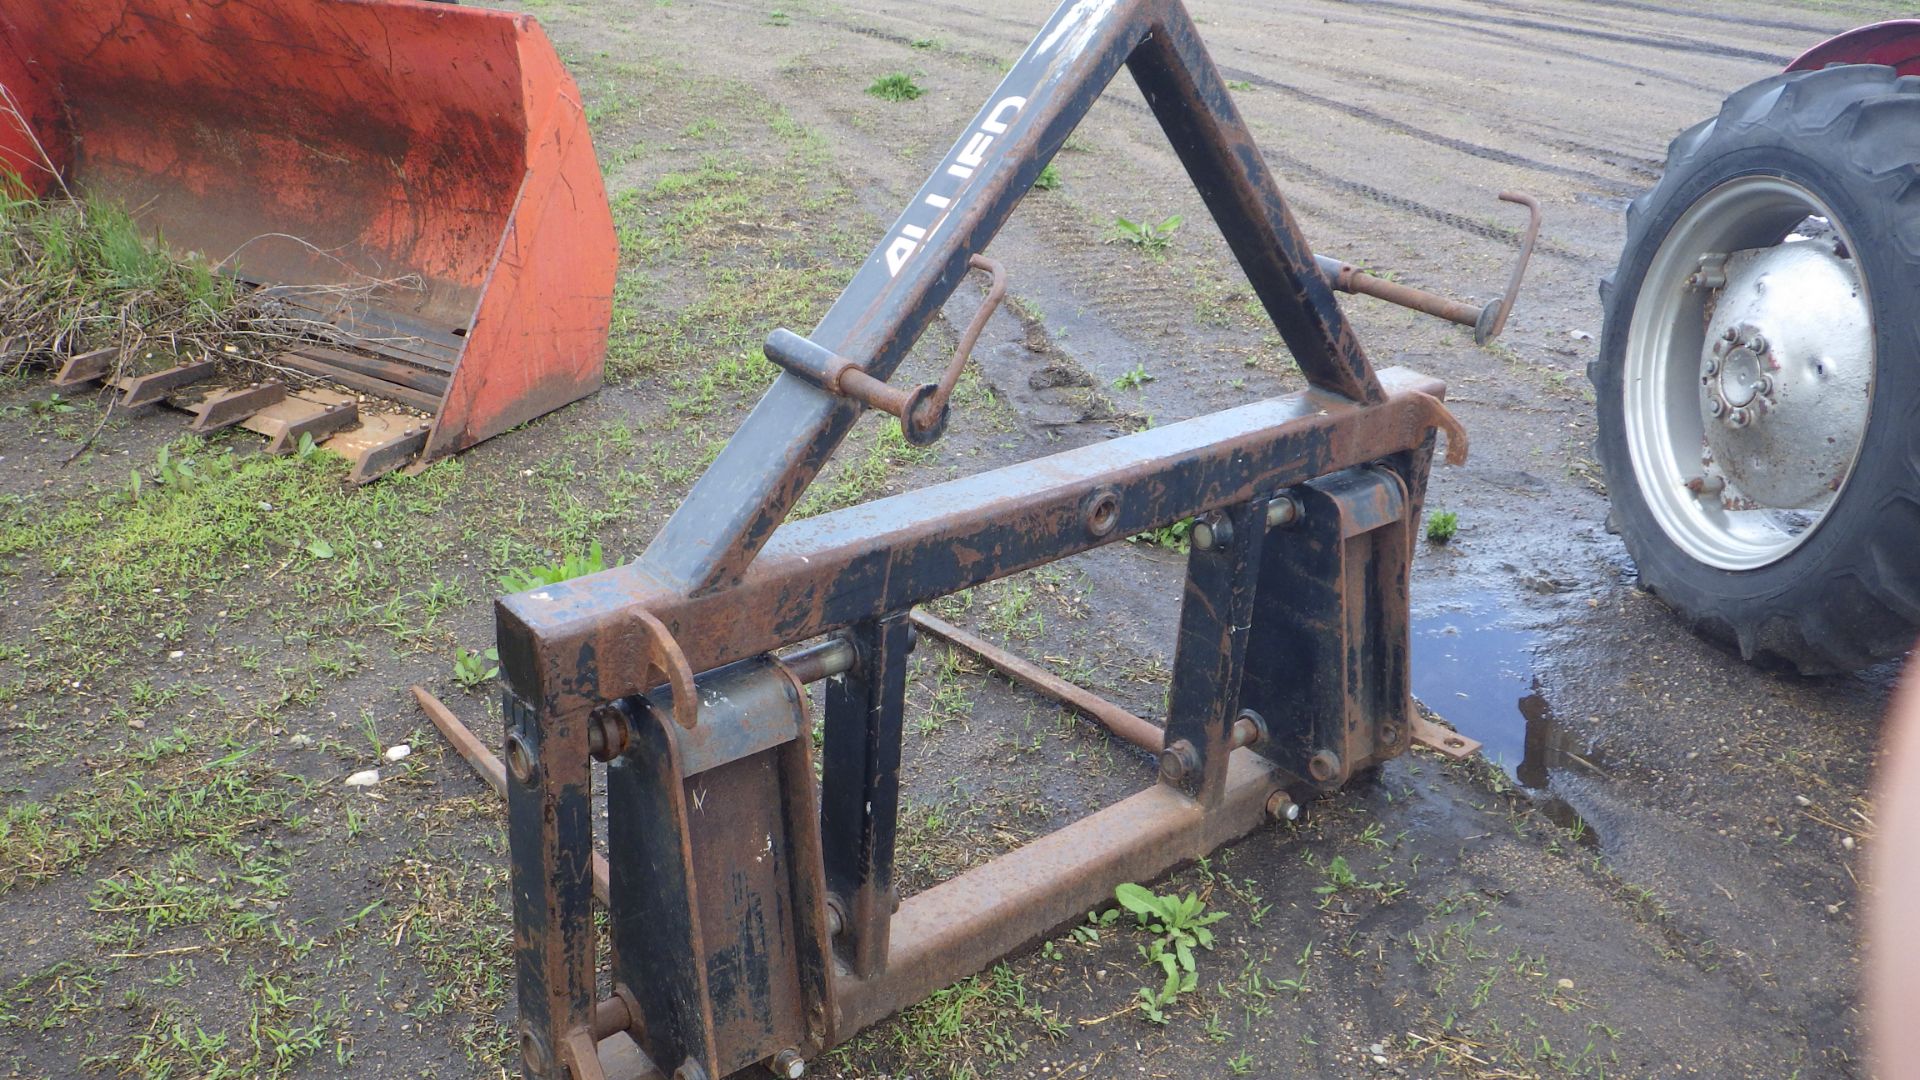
pixel 1665 407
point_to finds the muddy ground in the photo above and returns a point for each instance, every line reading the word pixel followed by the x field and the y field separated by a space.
pixel 1654 876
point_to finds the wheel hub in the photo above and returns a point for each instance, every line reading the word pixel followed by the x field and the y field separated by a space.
pixel 1785 377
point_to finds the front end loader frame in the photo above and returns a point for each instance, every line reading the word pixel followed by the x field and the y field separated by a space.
pixel 751 912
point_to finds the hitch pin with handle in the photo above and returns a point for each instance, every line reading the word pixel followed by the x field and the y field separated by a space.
pixel 922 410
pixel 1487 322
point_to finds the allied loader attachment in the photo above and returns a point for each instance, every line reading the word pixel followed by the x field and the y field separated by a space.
pixel 752 915
pixel 413 183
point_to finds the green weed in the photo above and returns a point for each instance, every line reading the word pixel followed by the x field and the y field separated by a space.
pixel 1048 180
pixel 1133 379
pixel 1148 235
pixel 899 86
pixel 470 669
pixel 1442 526
pixel 1180 925
pixel 1173 537
pixel 577 564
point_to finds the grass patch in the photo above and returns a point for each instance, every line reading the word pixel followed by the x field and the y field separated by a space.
pixel 850 481
pixel 898 86
pixel 452 918
pixel 216 801
pixel 971 1030
pixel 206 515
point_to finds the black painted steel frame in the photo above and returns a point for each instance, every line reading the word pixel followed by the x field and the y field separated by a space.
pixel 755 921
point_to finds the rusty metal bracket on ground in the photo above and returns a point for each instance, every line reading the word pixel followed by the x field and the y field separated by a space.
pixel 923 410
pixel 754 917
pixel 1487 321
pixel 1444 740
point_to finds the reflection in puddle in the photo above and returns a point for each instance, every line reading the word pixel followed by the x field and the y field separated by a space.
pixel 1473 667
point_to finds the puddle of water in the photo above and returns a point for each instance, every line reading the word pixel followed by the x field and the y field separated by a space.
pixel 1473 665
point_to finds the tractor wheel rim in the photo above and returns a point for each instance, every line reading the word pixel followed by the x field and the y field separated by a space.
pixel 1748 373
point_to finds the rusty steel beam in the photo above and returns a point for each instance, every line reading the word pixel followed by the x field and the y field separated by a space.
pixel 965 923
pixel 571 647
pixel 735 507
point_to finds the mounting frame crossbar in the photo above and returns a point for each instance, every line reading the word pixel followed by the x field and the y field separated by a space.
pixel 752 916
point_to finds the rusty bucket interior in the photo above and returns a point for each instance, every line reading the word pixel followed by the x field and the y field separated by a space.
pixel 434 157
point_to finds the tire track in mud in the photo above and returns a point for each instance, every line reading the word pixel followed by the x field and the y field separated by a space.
pixel 1280 159
pixel 1141 305
pixel 1607 185
pixel 1639 164
pixel 1668 43
pixel 1401 127
pixel 1709 16
pixel 1545 245
pixel 1571 54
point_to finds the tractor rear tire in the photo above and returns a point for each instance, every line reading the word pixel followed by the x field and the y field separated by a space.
pixel 1809 180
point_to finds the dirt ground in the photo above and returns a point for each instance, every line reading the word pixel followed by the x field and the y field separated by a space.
pixel 1654 875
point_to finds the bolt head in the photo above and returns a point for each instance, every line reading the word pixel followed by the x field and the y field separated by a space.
pixel 1282 510
pixel 1202 536
pixel 1177 761
pixel 521 760
pixel 1714 406
pixel 1713 367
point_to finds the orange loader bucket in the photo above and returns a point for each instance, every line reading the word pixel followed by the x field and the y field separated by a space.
pixel 436 150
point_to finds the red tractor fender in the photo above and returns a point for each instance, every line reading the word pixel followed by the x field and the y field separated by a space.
pixel 1895 43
